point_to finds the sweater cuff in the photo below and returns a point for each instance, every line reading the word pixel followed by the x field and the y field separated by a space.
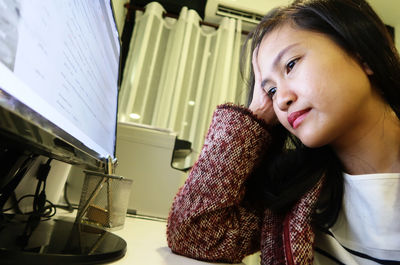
pixel 246 111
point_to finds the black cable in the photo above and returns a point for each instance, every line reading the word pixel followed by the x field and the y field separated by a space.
pixel 7 191
pixel 18 201
pixel 40 209
pixel 48 211
pixel 40 198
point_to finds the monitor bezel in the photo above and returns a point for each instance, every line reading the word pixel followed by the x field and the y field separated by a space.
pixel 25 129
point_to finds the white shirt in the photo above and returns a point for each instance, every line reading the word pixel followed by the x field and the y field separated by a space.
pixel 367 230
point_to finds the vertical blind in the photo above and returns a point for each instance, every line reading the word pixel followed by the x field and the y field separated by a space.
pixel 177 72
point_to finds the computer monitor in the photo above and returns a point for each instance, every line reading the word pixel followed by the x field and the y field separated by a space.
pixel 59 63
pixel 59 70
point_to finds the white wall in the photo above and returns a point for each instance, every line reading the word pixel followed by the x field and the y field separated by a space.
pixel 389 11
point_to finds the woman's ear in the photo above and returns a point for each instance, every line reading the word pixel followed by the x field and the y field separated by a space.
pixel 364 65
pixel 367 69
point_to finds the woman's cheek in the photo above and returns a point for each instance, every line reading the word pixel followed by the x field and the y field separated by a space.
pixel 282 118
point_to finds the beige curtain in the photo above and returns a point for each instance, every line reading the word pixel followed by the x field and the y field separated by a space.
pixel 177 72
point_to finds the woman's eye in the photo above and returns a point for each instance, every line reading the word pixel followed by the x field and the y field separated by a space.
pixel 271 92
pixel 290 65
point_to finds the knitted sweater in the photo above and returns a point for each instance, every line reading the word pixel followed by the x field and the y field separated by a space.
pixel 208 220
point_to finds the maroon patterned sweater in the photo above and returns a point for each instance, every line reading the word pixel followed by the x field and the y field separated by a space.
pixel 208 220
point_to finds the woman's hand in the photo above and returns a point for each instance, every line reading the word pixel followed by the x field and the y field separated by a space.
pixel 261 104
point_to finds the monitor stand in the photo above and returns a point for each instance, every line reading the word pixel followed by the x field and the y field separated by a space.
pixel 56 241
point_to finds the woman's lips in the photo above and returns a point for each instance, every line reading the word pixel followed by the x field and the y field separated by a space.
pixel 297 117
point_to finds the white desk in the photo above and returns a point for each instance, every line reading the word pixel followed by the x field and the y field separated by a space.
pixel 147 244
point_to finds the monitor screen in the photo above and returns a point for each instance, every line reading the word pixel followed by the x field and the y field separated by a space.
pixel 59 63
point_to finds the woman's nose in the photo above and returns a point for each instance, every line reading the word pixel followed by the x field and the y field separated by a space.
pixel 285 97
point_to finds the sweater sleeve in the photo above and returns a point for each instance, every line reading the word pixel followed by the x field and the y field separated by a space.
pixel 208 220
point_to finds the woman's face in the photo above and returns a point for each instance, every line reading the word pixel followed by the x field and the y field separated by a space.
pixel 319 93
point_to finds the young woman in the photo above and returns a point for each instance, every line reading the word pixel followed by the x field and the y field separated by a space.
pixel 309 173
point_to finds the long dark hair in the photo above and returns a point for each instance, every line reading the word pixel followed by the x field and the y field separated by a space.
pixel 290 169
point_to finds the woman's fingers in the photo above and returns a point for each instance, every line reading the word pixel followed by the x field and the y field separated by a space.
pixel 261 104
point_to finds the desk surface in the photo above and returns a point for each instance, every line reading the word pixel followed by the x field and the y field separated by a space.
pixel 147 244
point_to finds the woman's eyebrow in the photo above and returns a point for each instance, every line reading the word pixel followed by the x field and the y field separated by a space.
pixel 277 59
